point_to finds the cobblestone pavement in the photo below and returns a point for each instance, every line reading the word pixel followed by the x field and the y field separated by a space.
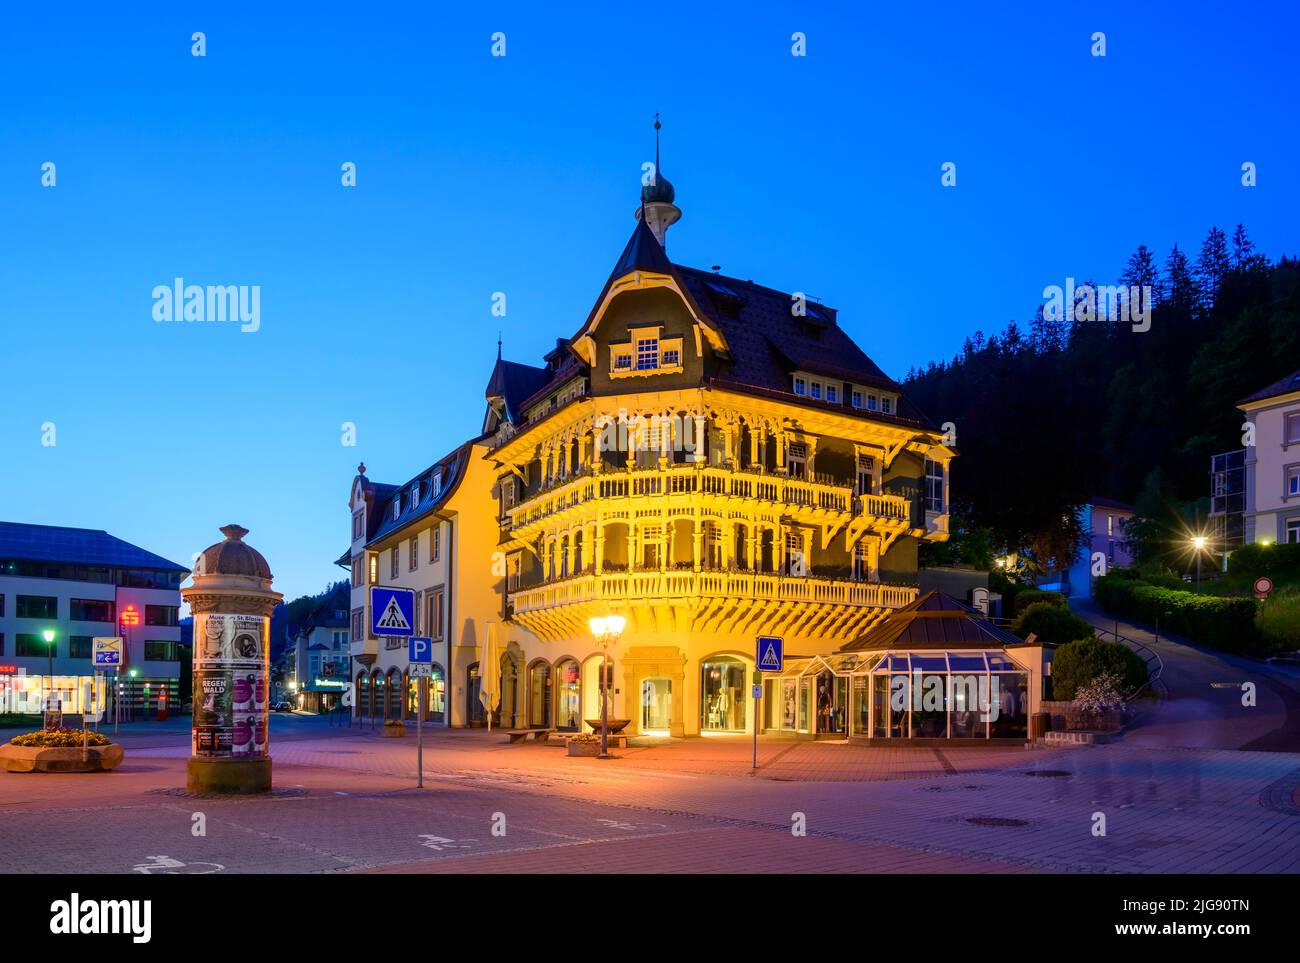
pixel 345 801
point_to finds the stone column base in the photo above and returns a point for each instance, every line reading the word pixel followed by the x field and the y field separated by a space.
pixel 233 776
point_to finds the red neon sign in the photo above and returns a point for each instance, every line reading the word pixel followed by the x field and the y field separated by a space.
pixel 130 616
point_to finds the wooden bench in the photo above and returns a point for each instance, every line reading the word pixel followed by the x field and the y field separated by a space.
pixel 521 735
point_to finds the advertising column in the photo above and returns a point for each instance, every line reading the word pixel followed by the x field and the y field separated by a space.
pixel 231 601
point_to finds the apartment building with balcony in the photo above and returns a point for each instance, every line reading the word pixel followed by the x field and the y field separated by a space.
pixel 1272 463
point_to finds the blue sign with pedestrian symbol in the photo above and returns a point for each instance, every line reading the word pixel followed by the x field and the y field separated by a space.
pixel 769 655
pixel 419 649
pixel 392 611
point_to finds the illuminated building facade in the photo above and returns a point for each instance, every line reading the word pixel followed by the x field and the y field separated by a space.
pixel 708 457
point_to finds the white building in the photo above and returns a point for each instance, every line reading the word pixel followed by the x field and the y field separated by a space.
pixel 1273 462
pixel 79 584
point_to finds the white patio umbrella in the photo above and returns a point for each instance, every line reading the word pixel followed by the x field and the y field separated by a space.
pixel 489 672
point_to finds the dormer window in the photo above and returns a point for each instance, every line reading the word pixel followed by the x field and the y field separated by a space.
pixel 397 508
pixel 800 386
pixel 886 405
pixel 815 390
pixel 832 394
pixel 647 354
pixel 856 399
pixel 672 359
pixel 873 403
pixel 435 486
pixel 622 362
pixel 415 495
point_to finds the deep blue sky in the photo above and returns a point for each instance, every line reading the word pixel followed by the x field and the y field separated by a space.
pixel 478 174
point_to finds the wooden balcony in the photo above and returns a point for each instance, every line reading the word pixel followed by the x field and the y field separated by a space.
pixel 821 501
pixel 726 603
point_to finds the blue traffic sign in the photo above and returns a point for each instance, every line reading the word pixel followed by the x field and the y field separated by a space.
pixel 392 611
pixel 419 649
pixel 769 654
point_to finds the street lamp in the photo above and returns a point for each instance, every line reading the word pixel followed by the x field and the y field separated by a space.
pixel 1198 546
pixel 49 636
pixel 606 629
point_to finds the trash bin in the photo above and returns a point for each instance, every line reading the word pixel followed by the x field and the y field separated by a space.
pixel 1040 723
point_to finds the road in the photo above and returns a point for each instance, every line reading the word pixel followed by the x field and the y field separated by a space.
pixel 345 802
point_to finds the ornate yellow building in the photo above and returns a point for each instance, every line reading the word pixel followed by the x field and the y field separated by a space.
pixel 711 459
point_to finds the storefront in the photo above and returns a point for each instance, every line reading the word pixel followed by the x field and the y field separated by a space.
pixel 321 694
pixel 934 670
pixel 21 693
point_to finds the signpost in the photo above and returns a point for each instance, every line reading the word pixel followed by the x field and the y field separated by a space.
pixel 419 658
pixel 1263 585
pixel 769 656
pixel 108 652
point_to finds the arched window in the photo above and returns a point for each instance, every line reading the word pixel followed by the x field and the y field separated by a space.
pixel 361 697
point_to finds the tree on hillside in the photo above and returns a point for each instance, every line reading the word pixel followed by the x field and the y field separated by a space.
pixel 1213 265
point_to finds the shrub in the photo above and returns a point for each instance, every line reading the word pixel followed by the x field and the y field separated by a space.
pixel 1078 665
pixel 1028 596
pixel 1100 695
pixel 1279 562
pixel 1278 621
pixel 1053 624
pixel 1227 624
pixel 59 739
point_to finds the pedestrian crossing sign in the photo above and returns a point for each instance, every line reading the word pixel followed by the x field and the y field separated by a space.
pixel 769 654
pixel 392 611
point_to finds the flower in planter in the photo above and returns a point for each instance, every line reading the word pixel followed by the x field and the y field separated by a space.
pixel 60 739
pixel 1100 695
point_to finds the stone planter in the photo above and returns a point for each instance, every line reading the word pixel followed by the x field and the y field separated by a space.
pixel 1079 720
pixel 35 759
pixel 582 748
pixel 394 732
pixel 614 725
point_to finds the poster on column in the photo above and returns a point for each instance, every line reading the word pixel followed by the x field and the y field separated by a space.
pixel 231 659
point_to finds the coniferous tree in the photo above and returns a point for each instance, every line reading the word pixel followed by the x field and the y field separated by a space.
pixel 1213 265
pixel 1141 271
pixel 1180 287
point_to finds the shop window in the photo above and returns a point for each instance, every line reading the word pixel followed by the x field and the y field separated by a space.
pixel 722 695
pixel 568 696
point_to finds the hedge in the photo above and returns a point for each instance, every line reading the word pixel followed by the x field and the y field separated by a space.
pixel 1281 563
pixel 1076 664
pixel 1028 596
pixel 1227 624
pixel 1053 624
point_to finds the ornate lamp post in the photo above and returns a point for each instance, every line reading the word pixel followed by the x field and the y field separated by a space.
pixel 49 636
pixel 606 630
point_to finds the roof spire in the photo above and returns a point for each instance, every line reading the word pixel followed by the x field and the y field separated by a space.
pixel 657 207
pixel 498 344
pixel 657 126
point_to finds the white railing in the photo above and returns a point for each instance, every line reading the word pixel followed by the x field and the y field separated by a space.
pixel 668 585
pixel 686 480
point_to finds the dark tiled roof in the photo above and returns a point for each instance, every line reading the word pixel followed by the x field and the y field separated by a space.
pixel 765 342
pixel 76 546
pixel 935 620
pixel 1283 386
pixel 451 468
pixel 514 383
pixel 1097 501
pixel 642 253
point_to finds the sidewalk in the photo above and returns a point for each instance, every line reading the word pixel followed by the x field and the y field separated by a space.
pixel 1203 707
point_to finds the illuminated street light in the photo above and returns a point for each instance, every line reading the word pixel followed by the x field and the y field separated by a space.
pixel 49 635
pixel 606 630
pixel 1198 546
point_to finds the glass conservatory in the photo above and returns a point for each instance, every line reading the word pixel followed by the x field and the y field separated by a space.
pixel 929 694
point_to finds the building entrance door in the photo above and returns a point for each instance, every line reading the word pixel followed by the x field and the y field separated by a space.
pixel 656 705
